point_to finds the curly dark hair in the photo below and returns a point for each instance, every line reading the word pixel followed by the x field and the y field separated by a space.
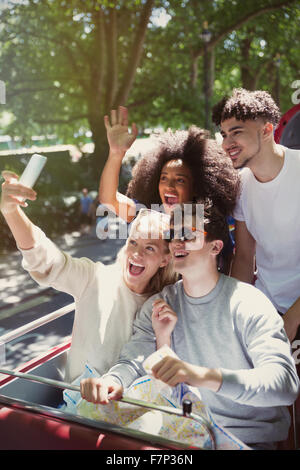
pixel 213 173
pixel 215 224
pixel 246 105
pixel 214 221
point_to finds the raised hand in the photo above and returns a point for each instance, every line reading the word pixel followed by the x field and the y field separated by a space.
pixel 163 322
pixel 118 136
pixel 14 193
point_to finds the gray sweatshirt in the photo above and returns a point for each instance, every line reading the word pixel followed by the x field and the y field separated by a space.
pixel 234 328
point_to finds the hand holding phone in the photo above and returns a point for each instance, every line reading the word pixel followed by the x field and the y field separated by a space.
pixel 33 170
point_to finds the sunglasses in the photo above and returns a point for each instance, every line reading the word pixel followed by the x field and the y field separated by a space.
pixel 188 234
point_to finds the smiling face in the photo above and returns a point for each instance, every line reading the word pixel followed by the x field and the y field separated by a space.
pixel 175 184
pixel 143 258
pixel 145 251
pixel 195 252
pixel 190 262
pixel 242 141
pixel 185 253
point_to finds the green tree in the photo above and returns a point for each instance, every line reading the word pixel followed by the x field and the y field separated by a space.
pixel 174 78
pixel 67 63
pixel 265 55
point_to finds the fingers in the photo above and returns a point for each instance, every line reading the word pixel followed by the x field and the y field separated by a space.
pixel 9 175
pixel 99 391
pixel 17 190
pixel 106 122
pixel 162 310
pixel 161 367
pixel 134 130
pixel 120 117
pixel 113 117
pixel 162 316
pixel 158 304
pixel 115 392
pixel 19 201
pixel 94 391
pixel 167 371
pixel 165 316
pixel 123 116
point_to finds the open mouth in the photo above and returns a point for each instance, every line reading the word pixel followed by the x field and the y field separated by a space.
pixel 135 269
pixel 180 254
pixel 233 153
pixel 171 199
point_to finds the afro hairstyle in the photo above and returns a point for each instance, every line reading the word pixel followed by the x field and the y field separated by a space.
pixel 213 172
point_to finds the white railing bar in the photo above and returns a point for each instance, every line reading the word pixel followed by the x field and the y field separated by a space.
pixel 36 323
pixel 184 412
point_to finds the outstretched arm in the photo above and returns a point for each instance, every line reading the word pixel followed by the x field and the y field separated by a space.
pixel 173 371
pixel 120 140
pixel 46 263
pixel 12 199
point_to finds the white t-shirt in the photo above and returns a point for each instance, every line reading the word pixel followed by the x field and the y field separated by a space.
pixel 104 306
pixel 271 212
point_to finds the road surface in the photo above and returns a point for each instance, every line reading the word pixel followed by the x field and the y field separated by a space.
pixel 23 301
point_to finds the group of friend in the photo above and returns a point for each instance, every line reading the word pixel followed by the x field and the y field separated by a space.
pixel 191 286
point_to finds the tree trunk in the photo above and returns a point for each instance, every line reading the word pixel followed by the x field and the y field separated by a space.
pixel 136 54
pixel 100 153
pixel 98 158
pixel 208 85
pixel 107 90
pixel 211 81
pixel 247 73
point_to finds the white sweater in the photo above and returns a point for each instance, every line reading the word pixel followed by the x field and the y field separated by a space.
pixel 104 306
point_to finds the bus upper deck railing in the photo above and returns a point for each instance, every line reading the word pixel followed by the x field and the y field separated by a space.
pixel 22 330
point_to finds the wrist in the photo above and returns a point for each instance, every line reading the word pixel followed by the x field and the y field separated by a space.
pixel 7 211
pixel 116 154
pixel 210 378
pixel 162 339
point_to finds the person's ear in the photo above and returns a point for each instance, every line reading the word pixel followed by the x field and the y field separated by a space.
pixel 268 130
pixel 216 247
pixel 165 260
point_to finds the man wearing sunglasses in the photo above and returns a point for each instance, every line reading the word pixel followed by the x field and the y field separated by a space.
pixel 227 335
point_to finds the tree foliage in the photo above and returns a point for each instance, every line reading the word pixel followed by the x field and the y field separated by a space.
pixel 66 63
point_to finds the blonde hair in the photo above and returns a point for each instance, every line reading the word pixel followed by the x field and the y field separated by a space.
pixel 155 223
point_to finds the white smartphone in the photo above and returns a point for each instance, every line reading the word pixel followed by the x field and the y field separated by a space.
pixel 32 170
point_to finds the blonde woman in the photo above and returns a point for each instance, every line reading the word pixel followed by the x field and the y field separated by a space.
pixel 107 297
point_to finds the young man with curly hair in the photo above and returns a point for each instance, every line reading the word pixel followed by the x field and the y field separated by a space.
pixel 267 212
pixel 228 338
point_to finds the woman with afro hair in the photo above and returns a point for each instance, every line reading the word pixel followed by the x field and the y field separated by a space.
pixel 185 166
